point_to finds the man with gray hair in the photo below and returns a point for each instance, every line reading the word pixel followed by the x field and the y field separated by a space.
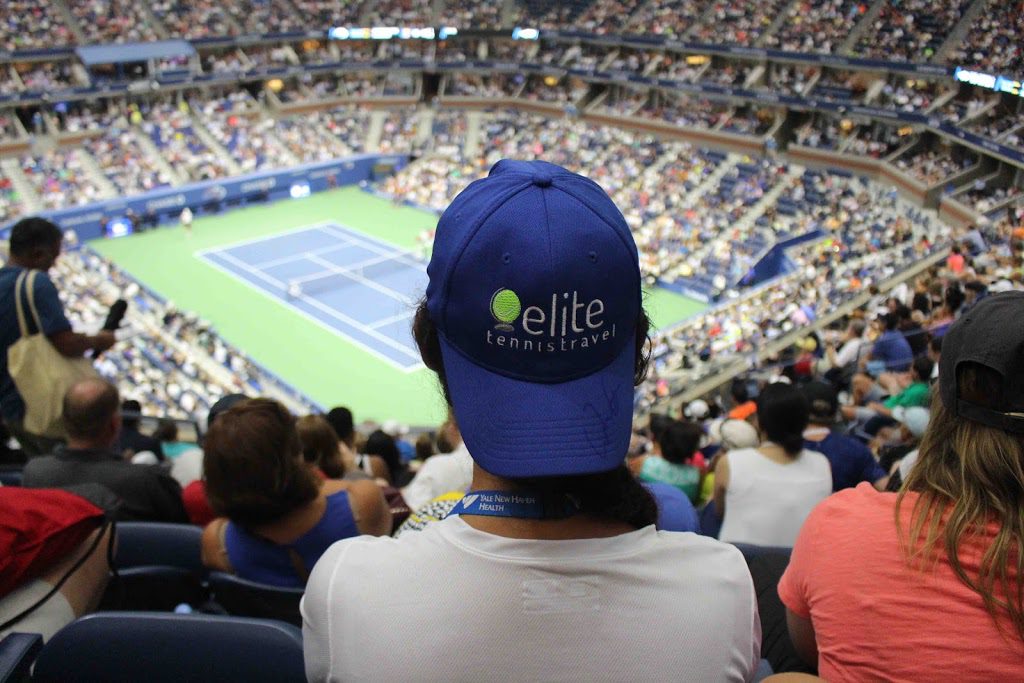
pixel 92 420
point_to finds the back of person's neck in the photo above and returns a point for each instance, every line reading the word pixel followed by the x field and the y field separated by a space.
pixel 574 527
pixel 88 445
pixel 817 431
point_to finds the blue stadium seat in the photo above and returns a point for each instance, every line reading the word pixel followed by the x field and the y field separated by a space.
pixel 141 544
pixel 17 652
pixel 158 647
pixel 245 598
pixel 159 567
pixel 710 523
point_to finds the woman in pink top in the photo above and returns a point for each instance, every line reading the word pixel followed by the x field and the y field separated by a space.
pixel 929 583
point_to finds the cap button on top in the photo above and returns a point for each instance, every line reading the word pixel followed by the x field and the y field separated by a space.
pixel 542 179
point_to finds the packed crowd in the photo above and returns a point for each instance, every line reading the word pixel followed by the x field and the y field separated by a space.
pixel 808 472
pixel 910 95
pixel 60 178
pixel 741 22
pixel 172 362
pixel 192 19
pixel 911 31
pixel 170 128
pixel 932 166
pixel 124 161
pixel 32 24
pixel 817 25
pixel 993 42
pixel 868 233
pixel 903 31
pixel 671 18
pixel 113 21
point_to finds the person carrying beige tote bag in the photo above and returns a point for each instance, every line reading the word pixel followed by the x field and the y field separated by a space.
pixel 41 373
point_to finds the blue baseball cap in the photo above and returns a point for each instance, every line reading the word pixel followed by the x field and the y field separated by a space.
pixel 535 293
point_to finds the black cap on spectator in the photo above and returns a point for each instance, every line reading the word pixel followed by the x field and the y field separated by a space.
pixel 823 400
pixel 991 334
pixel 223 405
pixel 975 286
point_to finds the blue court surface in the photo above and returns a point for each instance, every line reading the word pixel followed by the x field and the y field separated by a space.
pixel 359 287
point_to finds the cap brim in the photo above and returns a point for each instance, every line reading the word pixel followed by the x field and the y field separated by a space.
pixel 522 429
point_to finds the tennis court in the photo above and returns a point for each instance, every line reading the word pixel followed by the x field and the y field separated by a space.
pixel 360 287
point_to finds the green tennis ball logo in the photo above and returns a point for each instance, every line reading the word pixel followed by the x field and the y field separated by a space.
pixel 505 306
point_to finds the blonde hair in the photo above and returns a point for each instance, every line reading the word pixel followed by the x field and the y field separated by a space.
pixel 968 477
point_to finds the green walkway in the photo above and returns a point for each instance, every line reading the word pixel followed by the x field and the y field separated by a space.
pixel 324 366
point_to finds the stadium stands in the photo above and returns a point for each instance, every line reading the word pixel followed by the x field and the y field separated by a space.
pixel 791 193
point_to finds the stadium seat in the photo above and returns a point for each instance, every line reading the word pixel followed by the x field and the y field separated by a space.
pixel 766 566
pixel 242 597
pixel 142 544
pixel 17 652
pixel 157 647
pixel 710 522
pixel 158 567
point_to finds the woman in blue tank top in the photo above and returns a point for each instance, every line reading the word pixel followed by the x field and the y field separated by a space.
pixel 277 515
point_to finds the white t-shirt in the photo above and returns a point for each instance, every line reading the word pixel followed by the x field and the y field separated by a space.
pixel 451 603
pixel 849 352
pixel 767 502
pixel 438 475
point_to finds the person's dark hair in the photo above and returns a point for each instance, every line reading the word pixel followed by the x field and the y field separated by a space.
pixel 383 444
pixel 890 321
pixel 656 425
pixel 320 445
pixel 956 249
pixel 253 464
pixel 33 233
pixel 166 430
pixel 782 415
pixel 923 366
pixel 954 298
pixel 340 419
pixel 87 417
pixel 680 441
pixel 976 286
pixel 130 409
pixel 739 391
pixel 936 344
pixel 615 494
pixel 425 445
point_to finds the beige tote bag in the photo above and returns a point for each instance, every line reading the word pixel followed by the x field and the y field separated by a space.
pixel 41 373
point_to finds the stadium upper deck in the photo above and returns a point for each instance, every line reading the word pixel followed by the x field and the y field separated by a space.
pixel 970 33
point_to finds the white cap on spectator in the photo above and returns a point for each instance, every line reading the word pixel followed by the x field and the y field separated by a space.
pixel 697 410
pixel 394 429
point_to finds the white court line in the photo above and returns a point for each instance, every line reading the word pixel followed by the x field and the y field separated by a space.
pixel 392 319
pixel 386 291
pixel 299 256
pixel 406 257
pixel 407 369
pixel 334 269
pixel 264 238
pixel 326 309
